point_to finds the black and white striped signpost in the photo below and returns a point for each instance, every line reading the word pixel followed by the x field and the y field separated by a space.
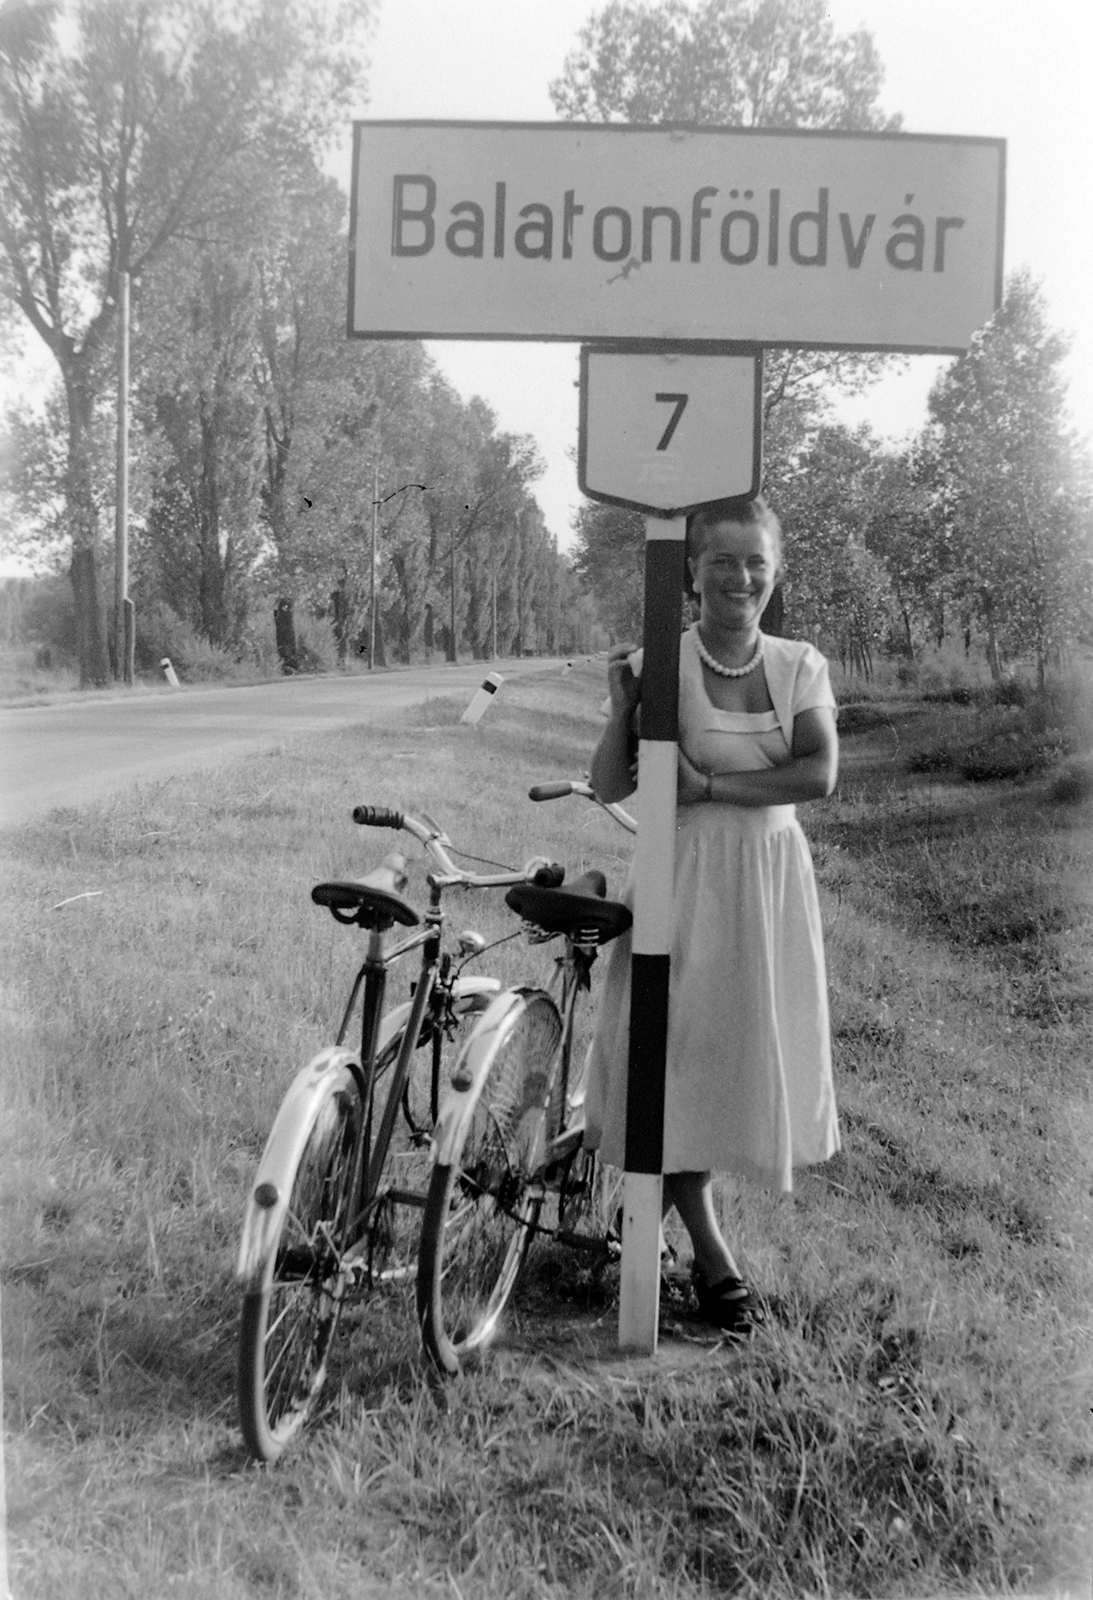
pixel 651 247
pixel 662 431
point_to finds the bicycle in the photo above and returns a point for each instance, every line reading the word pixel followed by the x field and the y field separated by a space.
pixel 334 1210
pixel 510 1134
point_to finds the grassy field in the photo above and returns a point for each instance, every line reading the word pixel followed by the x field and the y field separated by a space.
pixel 915 1418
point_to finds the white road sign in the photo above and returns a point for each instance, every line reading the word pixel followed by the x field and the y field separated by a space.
pixel 609 231
pixel 665 432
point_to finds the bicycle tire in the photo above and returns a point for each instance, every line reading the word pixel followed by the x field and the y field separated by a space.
pixel 278 1391
pixel 485 1197
pixel 290 1317
pixel 589 1192
pixel 590 1202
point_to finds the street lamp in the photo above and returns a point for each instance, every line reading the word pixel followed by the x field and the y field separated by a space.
pixel 376 503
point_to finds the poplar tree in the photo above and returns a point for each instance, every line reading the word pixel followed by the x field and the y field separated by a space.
pixel 741 64
pixel 120 125
pixel 1015 487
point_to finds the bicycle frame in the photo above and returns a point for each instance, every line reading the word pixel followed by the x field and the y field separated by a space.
pixel 266 1206
pixel 565 983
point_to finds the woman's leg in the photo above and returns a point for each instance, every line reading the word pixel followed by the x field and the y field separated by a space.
pixel 692 1195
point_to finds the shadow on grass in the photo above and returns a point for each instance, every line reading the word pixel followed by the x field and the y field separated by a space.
pixel 878 1158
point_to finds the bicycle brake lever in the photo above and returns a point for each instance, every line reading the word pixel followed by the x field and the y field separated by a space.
pixel 438 832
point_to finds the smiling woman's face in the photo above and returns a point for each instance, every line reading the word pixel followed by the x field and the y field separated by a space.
pixel 733 574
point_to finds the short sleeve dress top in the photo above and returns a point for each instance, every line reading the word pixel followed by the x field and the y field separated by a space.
pixel 748 1085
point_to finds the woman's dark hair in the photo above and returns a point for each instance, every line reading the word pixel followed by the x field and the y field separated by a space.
pixel 747 513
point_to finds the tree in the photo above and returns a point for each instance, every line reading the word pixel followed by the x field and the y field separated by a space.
pixel 836 588
pixel 608 556
pixel 903 533
pixel 199 397
pixel 737 63
pixel 118 134
pixel 1014 485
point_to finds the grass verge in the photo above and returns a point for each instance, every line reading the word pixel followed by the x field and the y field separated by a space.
pixel 915 1418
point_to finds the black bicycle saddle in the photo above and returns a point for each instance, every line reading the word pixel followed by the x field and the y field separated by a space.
pixel 579 906
pixel 374 901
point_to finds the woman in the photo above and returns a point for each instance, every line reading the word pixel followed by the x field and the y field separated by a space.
pixel 748 1085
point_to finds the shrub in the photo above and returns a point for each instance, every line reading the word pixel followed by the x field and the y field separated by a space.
pixel 206 663
pixel 1067 703
pixel 1074 783
pixel 162 632
pixel 316 650
pixel 931 758
pixel 993 746
pixel 258 640
pixel 862 716
pixel 46 622
pixel 1015 754
pixel 1011 692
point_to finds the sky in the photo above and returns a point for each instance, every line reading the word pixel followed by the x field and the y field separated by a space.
pixel 1015 69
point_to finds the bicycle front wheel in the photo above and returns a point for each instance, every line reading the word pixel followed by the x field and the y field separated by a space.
pixel 290 1316
pixel 487 1185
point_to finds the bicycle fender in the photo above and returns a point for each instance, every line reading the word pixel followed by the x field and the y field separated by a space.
pixel 455 1114
pixel 473 993
pixel 293 1123
pixel 468 995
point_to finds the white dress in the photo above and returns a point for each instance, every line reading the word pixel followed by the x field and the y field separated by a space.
pixel 748 1086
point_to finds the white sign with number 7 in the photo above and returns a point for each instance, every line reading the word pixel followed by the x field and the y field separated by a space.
pixel 666 431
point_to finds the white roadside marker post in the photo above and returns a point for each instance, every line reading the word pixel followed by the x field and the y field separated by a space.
pixel 483 697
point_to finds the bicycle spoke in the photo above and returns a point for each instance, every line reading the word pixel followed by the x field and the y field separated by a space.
pixel 287 1329
pixel 483 1209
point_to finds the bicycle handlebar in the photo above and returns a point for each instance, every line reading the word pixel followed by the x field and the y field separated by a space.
pixel 377 817
pixel 547 874
pixel 556 791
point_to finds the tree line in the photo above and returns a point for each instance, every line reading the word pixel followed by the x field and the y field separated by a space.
pixel 182 145
pixel 982 527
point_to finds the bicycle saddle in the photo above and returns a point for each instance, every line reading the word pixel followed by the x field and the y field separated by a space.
pixel 579 906
pixel 374 901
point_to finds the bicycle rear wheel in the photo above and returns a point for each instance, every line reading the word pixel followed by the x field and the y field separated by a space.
pixel 487 1190
pixel 389 1253
pixel 289 1321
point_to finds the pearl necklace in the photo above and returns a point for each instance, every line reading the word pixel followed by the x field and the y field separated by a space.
pixel 729 672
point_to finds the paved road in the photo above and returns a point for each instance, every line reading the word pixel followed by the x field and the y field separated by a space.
pixel 78 750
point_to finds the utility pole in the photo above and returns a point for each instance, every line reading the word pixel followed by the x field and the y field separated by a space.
pixel 455 653
pixel 372 569
pixel 123 607
pixel 493 599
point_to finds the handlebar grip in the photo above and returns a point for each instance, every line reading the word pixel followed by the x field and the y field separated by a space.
pixel 549 791
pixel 549 877
pixel 377 817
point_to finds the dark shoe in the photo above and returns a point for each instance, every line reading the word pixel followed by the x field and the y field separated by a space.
pixel 729 1305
